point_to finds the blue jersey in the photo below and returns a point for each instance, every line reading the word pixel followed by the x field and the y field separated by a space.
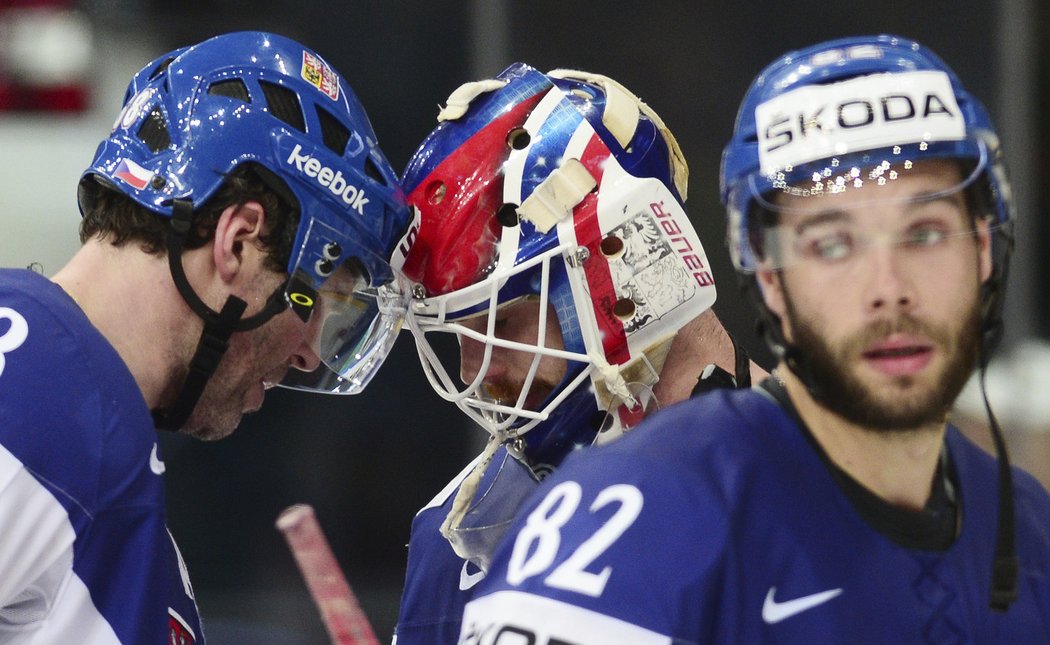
pixel 722 522
pixel 438 582
pixel 85 555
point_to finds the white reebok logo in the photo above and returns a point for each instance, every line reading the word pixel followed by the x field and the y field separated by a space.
pixel 333 180
pixel 468 580
pixel 155 464
pixel 774 612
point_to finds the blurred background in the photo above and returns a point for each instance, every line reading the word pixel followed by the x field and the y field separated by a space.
pixel 366 463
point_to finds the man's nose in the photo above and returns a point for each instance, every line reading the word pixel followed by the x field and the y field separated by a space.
pixel 890 278
pixel 305 357
pixel 471 356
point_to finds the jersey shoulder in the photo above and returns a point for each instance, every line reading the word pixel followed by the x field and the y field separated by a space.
pixel 718 431
pixel 976 465
pixel 979 472
pixel 438 582
pixel 612 517
pixel 74 415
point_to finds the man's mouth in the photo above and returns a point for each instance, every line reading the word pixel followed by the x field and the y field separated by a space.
pixel 899 356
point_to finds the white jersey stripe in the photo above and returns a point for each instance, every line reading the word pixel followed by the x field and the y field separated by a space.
pixel 41 598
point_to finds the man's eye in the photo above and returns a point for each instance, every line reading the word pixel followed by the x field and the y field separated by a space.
pixel 925 236
pixel 834 246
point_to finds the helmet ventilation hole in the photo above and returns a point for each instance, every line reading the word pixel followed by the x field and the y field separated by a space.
pixel 507 215
pixel 436 192
pixel 284 104
pixel 624 309
pixel 334 134
pixel 161 68
pixel 154 131
pixel 518 139
pixel 372 170
pixel 611 247
pixel 233 88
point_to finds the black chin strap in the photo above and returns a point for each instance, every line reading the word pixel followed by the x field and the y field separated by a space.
pixel 769 327
pixel 1004 567
pixel 218 326
pixel 214 341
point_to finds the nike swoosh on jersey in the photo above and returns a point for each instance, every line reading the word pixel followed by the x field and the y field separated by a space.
pixel 774 612
pixel 155 464
pixel 468 580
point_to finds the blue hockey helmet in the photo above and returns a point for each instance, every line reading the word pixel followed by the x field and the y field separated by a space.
pixel 193 115
pixel 563 188
pixel 859 112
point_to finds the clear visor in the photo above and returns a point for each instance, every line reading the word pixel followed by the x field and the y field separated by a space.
pixel 817 212
pixel 351 323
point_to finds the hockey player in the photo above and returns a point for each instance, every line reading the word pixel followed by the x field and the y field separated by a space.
pixel 234 226
pixel 552 240
pixel 833 503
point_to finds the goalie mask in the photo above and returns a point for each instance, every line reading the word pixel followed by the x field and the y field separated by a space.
pixel 560 194
pixel 550 238
pixel 193 115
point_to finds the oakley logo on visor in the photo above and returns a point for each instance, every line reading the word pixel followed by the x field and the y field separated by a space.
pixel 301 298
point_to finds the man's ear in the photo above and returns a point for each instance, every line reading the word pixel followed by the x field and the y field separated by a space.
pixel 772 289
pixel 236 237
pixel 984 248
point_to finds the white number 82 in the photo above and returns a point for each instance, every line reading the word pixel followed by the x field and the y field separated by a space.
pixel 537 543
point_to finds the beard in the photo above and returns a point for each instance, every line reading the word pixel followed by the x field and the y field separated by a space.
pixel 224 401
pixel 215 414
pixel 505 392
pixel 913 401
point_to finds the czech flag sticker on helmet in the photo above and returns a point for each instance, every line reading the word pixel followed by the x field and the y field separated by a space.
pixel 318 73
pixel 133 174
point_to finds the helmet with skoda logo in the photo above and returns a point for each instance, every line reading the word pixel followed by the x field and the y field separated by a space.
pixel 856 112
pixel 195 114
pixel 566 189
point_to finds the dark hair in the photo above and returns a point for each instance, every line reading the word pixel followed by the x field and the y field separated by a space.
pixel 114 217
